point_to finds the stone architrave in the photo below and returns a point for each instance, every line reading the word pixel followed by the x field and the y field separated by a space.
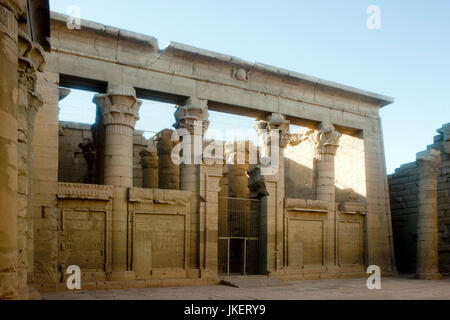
pixel 149 163
pixel 427 225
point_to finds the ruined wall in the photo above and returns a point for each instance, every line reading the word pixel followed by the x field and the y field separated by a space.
pixel 403 191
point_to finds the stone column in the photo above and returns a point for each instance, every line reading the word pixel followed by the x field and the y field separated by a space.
pixel 119 112
pixel 272 205
pixel 31 60
pixel 9 13
pixel 237 171
pixel 325 142
pixel 168 171
pixel 427 225
pixel 209 222
pixel 193 118
pixel 149 162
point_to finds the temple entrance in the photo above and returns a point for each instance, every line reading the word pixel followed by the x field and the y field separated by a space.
pixel 239 236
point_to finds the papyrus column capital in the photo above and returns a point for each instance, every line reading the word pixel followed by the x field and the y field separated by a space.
pixel 192 116
pixel 274 121
pixel 325 140
pixel 119 106
pixel 31 60
pixel 149 158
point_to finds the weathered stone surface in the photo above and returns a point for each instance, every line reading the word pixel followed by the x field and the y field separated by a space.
pixel 121 234
pixel 407 197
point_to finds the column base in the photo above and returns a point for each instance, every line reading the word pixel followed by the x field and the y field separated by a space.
pixel 428 276
pixel 121 276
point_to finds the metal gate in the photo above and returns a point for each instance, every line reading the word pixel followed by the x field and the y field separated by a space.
pixel 239 233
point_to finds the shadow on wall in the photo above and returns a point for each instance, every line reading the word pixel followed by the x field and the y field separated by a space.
pixel 301 170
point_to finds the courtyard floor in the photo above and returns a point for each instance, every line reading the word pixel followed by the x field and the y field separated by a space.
pixel 392 288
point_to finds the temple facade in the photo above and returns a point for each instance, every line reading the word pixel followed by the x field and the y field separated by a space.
pixel 310 204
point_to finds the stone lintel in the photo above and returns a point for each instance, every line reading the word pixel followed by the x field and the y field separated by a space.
pixel 161 196
pixel 353 207
pixel 84 191
pixel 296 204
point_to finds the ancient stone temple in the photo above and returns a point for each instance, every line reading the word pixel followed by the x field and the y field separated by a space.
pixel 420 202
pixel 24 28
pixel 131 212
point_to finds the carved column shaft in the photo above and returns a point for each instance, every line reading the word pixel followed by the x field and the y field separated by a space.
pixel 8 156
pixel 193 117
pixel 149 162
pixel 427 224
pixel 168 171
pixel 274 127
pixel 119 112
pixel 238 153
pixel 325 142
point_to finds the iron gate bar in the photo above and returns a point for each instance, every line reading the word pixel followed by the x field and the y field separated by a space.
pixel 239 219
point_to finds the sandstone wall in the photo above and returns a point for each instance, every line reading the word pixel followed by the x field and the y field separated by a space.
pixel 403 190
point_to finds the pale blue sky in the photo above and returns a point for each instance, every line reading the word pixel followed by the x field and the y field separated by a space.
pixel 408 58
